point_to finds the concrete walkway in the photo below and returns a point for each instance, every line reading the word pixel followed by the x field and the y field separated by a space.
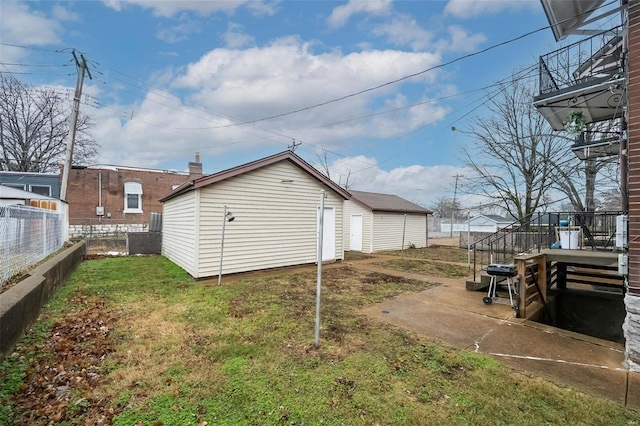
pixel 456 316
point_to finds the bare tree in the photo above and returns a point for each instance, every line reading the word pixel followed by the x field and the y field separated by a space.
pixel 345 180
pixel 578 179
pixel 34 125
pixel 514 151
pixel 445 207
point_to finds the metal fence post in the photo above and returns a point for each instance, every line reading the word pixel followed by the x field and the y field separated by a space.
pixel 45 246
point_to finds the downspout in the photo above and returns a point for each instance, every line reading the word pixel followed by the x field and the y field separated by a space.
pixel 100 194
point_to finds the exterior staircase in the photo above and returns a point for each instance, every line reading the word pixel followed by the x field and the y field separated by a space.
pixel 536 232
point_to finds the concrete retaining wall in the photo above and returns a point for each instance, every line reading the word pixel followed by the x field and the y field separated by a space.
pixel 21 304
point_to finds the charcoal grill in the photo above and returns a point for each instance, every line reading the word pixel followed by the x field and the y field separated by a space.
pixel 496 270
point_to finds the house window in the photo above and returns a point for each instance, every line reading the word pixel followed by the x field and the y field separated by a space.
pixel 15 185
pixel 41 189
pixel 132 197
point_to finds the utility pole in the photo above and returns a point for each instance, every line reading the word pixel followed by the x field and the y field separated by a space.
pixel 81 65
pixel 294 145
pixel 453 206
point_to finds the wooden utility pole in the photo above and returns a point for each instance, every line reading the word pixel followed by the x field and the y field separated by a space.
pixel 294 145
pixel 81 65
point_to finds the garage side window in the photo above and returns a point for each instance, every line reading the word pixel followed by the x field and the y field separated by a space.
pixel 132 197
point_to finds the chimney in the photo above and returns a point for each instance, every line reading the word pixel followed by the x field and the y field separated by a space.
pixel 195 168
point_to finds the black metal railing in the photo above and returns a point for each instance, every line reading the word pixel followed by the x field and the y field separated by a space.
pixel 594 58
pixel 539 231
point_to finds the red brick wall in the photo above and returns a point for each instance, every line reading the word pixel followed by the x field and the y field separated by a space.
pixel 634 145
pixel 83 194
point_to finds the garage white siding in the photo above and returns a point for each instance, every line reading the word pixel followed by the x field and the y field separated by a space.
pixel 276 218
pixel 353 208
pixel 387 231
pixel 179 231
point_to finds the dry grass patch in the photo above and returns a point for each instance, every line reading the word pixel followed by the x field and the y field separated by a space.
pixel 159 353
pixel 183 353
pixel 444 253
pixel 426 267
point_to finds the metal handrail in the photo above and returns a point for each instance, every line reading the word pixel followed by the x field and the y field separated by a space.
pixel 533 233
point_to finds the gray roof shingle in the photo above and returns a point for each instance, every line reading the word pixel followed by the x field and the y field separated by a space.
pixel 387 203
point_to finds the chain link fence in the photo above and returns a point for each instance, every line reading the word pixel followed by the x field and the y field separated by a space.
pixel 27 235
pixel 114 239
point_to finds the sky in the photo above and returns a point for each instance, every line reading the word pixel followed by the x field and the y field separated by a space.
pixel 239 80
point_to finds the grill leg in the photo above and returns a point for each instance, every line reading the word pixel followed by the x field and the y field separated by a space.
pixel 491 294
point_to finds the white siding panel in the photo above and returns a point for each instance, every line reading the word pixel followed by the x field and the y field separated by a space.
pixel 275 221
pixel 353 207
pixel 179 231
pixel 387 231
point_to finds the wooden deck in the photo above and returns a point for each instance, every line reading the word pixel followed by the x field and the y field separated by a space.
pixel 562 268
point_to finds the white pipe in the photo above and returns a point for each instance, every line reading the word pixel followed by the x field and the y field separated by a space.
pixel 100 193
pixel 469 239
pixel 224 223
pixel 319 278
pixel 404 227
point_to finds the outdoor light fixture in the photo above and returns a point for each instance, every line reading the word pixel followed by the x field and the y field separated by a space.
pixel 226 217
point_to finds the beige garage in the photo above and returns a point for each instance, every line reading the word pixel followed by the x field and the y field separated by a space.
pixel 375 222
pixel 275 202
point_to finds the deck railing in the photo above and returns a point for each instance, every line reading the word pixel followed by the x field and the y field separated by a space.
pixel 593 58
pixel 540 231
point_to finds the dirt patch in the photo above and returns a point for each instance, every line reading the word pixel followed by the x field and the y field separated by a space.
pixel 356 255
pixel 453 241
pixel 445 253
pixel 58 386
pixel 426 267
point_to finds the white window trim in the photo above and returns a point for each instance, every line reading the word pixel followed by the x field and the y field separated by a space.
pixel 42 186
pixel 137 192
pixel 14 185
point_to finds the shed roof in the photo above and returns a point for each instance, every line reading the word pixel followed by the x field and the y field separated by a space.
pixel 497 218
pixel 254 165
pixel 387 203
pixel 19 194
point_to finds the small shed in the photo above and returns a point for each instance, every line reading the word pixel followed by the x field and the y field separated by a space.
pixel 375 222
pixel 275 202
pixel 488 223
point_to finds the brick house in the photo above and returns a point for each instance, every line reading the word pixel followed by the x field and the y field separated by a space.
pixel 625 82
pixel 121 197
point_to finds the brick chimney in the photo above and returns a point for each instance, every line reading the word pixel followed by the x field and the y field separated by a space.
pixel 195 168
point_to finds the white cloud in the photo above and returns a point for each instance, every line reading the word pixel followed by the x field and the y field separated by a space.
pixel 460 41
pixel 416 183
pixel 168 8
pixel 180 31
pixel 403 30
pixel 262 81
pixel 21 25
pixel 62 14
pixel 235 37
pixel 466 9
pixel 341 14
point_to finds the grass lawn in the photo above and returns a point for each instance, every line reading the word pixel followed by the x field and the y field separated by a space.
pixel 447 253
pixel 135 341
pixel 426 267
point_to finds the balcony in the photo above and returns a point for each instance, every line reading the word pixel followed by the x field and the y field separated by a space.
pixel 596 144
pixel 587 76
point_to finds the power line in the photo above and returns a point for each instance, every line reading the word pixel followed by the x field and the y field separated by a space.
pixel 409 76
pixel 65 50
